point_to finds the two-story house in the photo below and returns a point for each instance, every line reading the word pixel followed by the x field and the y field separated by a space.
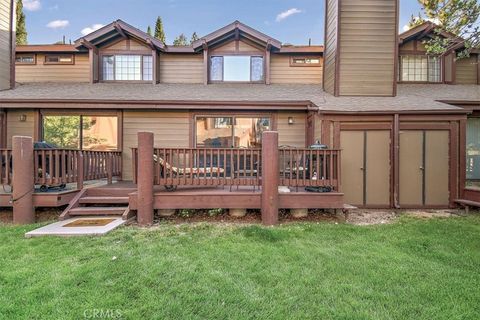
pixel 398 116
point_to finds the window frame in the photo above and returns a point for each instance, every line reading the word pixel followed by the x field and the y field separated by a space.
pixel 86 113
pixel 474 116
pixel 113 54
pixel 33 55
pixel 239 54
pixel 428 57
pixel 59 55
pixel 233 115
pixel 294 64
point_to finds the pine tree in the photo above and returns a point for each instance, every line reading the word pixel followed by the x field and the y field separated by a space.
pixel 416 21
pixel 181 40
pixel 159 33
pixel 21 32
pixel 194 37
pixel 149 31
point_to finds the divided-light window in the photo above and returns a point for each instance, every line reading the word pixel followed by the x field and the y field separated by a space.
pixel 127 68
pixel 420 68
pixel 236 69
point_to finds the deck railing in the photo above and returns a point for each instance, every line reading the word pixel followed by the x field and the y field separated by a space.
pixel 242 167
pixel 62 166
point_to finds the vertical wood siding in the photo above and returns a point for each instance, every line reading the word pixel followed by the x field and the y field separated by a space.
pixel 330 46
pixel 181 68
pixel 466 70
pixel 15 127
pixel 282 72
pixel 78 72
pixel 171 129
pixel 367 47
pixel 5 39
pixel 292 134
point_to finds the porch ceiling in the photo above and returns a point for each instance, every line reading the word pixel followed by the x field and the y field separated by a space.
pixel 410 98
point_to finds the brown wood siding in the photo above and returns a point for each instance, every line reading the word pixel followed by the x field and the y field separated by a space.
pixel 291 134
pixel 171 129
pixel 330 46
pixel 181 68
pixel 231 46
pixel 282 72
pixel 466 70
pixel 367 47
pixel 15 127
pixel 128 44
pixel 5 40
pixel 78 72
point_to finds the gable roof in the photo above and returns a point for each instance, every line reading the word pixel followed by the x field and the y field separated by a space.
pixel 424 30
pixel 234 30
pixel 115 30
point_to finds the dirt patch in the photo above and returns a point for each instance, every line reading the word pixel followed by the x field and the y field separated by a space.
pixel 369 217
pixel 41 214
pixel 428 214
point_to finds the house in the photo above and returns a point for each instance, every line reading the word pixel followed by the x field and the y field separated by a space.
pixel 394 119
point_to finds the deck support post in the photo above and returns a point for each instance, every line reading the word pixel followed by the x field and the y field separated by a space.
pixel 109 168
pixel 81 172
pixel 270 178
pixel 145 179
pixel 23 180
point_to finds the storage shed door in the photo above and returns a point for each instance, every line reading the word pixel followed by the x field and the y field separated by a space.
pixel 366 167
pixel 424 168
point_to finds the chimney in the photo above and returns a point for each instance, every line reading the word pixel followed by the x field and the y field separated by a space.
pixel 361 47
pixel 7 52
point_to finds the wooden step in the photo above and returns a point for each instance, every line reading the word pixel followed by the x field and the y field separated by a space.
pixel 93 211
pixel 103 200
pixel 469 203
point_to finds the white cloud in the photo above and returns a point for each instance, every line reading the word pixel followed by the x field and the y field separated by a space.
pixel 285 14
pixel 58 24
pixel 91 28
pixel 32 5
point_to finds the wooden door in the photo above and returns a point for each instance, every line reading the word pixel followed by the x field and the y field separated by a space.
pixel 424 168
pixel 366 167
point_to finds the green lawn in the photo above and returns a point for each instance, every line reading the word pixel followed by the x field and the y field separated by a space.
pixel 412 269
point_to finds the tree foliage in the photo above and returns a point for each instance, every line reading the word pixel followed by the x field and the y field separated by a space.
pixel 181 40
pixel 194 37
pixel 21 33
pixel 416 21
pixel 458 17
pixel 149 31
pixel 159 32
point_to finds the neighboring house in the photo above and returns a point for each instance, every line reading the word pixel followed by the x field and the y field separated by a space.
pixel 402 146
pixel 7 44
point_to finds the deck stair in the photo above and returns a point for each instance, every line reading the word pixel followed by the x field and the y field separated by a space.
pixel 466 204
pixel 92 202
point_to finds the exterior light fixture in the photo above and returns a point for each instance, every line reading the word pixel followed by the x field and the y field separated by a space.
pixel 291 120
pixel 22 118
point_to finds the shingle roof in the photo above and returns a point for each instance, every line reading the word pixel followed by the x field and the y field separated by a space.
pixel 410 97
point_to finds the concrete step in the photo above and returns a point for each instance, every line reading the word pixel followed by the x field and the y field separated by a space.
pixel 103 200
pixel 97 211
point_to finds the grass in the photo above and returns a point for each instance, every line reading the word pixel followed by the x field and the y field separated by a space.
pixel 412 269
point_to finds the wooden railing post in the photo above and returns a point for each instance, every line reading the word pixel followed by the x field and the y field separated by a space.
pixel 145 179
pixel 270 177
pixel 80 170
pixel 109 168
pixel 23 180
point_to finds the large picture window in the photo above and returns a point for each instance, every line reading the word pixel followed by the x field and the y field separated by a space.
pixel 231 131
pixel 127 68
pixel 236 68
pixel 81 131
pixel 420 68
pixel 473 152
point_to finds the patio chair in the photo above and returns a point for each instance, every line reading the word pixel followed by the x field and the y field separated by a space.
pixel 183 172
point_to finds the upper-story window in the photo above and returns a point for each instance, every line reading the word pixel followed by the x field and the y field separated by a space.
pixel 25 58
pixel 236 69
pixel 127 68
pixel 305 61
pixel 59 59
pixel 420 68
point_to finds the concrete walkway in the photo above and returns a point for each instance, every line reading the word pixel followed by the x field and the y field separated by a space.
pixel 85 226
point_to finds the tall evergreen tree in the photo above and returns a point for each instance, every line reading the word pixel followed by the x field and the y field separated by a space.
pixel 149 31
pixel 181 40
pixel 21 32
pixel 194 37
pixel 159 33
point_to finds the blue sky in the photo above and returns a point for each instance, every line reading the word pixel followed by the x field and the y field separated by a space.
pixel 290 21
